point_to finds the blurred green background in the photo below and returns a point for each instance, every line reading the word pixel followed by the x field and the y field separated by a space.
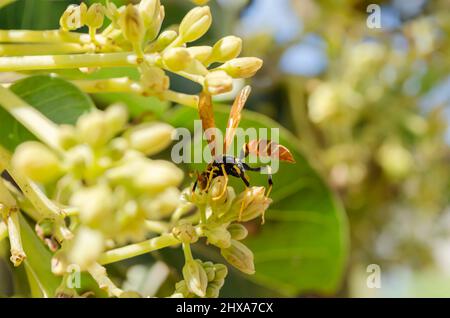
pixel 368 108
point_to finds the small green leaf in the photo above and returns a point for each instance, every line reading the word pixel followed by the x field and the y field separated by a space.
pixel 57 99
pixel 303 246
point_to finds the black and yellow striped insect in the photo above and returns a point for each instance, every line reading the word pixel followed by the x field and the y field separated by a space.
pixel 227 165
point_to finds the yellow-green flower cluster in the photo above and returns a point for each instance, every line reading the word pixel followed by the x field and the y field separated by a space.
pixel 138 28
pixel 106 175
pixel 201 279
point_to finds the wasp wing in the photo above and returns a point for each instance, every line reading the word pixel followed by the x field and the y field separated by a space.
pixel 235 116
pixel 206 113
pixel 268 148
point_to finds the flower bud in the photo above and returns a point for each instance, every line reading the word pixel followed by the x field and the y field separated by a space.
pixel 243 67
pixel 116 117
pixel 94 204
pixel 150 138
pixel 74 17
pixel 148 10
pixel 152 13
pixel 132 25
pixel 218 236
pixel 195 277
pixel 154 79
pixel 85 248
pixel 240 256
pixel 79 158
pixel 213 290
pixel 181 290
pixel 195 24
pixel 112 13
pixel 117 148
pixel 95 16
pixel 145 175
pixel 164 40
pixel 185 233
pixel 226 49
pixel 221 272
pixel 67 136
pixel 218 82
pixel 162 205
pixel 210 270
pixel 37 162
pixel 395 160
pixel 237 231
pixel 93 128
pixel 177 59
pixel 200 53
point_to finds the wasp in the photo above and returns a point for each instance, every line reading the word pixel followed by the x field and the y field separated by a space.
pixel 227 165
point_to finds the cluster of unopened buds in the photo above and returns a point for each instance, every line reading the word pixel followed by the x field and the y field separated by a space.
pixel 92 188
pixel 134 38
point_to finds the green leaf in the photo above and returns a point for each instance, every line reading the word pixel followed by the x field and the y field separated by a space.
pixel 38 263
pixel 137 105
pixel 303 246
pixel 57 99
pixel 33 14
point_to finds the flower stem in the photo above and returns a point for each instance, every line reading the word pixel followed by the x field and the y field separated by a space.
pixel 137 249
pixel 126 85
pixel 47 36
pixel 187 252
pixel 15 241
pixel 69 61
pixel 46 48
pixel 9 212
pixel 99 274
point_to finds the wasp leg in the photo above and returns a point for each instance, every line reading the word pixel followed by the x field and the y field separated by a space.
pixel 269 176
pixel 225 174
pixel 245 179
pixel 210 177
